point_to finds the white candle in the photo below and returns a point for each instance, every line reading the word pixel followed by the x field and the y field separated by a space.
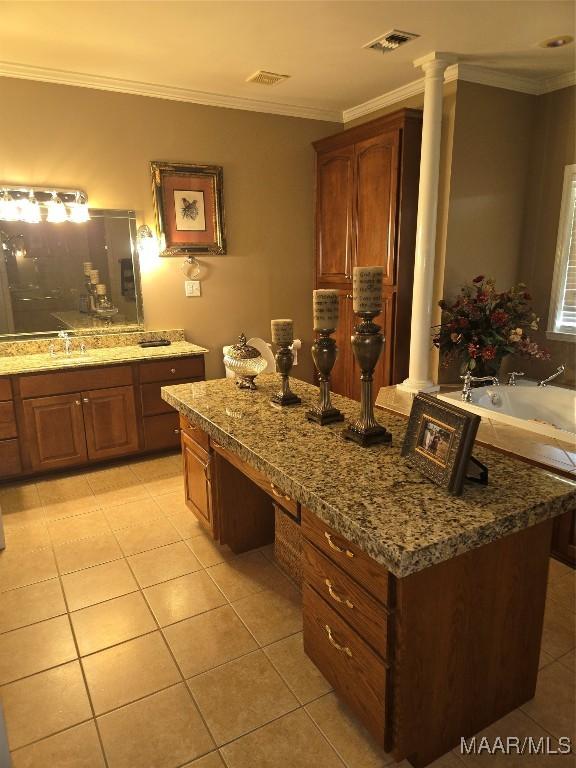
pixel 94 276
pixel 87 268
pixel 101 289
pixel 367 289
pixel 282 331
pixel 325 306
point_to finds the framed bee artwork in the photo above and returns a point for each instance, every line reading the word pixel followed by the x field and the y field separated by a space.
pixel 189 208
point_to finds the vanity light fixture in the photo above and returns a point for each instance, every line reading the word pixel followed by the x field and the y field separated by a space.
pixel 146 242
pixel 28 204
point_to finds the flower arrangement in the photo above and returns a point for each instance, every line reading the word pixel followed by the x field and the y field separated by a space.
pixel 482 326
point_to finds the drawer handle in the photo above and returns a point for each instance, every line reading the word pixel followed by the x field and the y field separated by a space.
pixel 85 400
pixel 342 648
pixel 278 494
pixel 335 547
pixel 176 431
pixel 336 597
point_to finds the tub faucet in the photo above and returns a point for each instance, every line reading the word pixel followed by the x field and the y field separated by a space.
pixel 64 335
pixel 559 371
pixel 469 380
pixel 512 376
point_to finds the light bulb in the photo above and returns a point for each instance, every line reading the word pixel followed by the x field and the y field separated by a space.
pixel 56 210
pixel 9 208
pixel 30 210
pixel 79 212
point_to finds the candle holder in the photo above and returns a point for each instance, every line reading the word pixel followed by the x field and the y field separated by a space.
pixel 324 353
pixel 367 344
pixel 284 362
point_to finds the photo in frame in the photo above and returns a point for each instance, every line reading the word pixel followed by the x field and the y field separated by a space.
pixel 439 441
pixel 189 208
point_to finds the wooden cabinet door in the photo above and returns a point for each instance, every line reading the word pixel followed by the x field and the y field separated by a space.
pixel 564 538
pixel 340 377
pixel 376 166
pixel 110 419
pixel 334 211
pixel 197 488
pixel 54 431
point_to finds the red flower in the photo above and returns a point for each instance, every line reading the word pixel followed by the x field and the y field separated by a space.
pixel 473 350
pixel 489 353
pixel 499 317
pixel 478 279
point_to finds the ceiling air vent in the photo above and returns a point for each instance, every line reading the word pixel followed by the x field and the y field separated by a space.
pixel 391 40
pixel 266 78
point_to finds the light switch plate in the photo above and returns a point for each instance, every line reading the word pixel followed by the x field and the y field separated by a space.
pixel 192 287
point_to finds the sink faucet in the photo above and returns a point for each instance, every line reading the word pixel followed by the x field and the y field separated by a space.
pixel 559 371
pixel 512 376
pixel 468 379
pixel 65 336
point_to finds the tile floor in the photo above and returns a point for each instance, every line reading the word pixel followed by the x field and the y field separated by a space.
pixel 128 639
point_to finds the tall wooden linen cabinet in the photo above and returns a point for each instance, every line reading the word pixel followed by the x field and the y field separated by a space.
pixel 366 206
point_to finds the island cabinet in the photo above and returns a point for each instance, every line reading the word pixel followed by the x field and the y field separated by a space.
pixel 366 205
pixel 69 418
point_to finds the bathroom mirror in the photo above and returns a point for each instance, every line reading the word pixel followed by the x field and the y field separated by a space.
pixel 45 285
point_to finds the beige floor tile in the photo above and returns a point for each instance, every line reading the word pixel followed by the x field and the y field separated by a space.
pixel 85 553
pixel 240 696
pixel 158 467
pixel 27 605
pixel 300 673
pixel 183 597
pixel 563 591
pixel 348 737
pixel 114 497
pixel 559 632
pixel 246 575
pixel 212 760
pixel 133 513
pixel 43 704
pixel 129 671
pixel 62 488
pixel 208 551
pixel 94 585
pixel 17 517
pixel 163 485
pixel 115 621
pixel 78 747
pixel 28 536
pixel 173 503
pixel 141 538
pixel 23 497
pixel 32 649
pixel 554 705
pixel 19 569
pixel 82 526
pixel 569 660
pixel 161 731
pixel 271 615
pixel 292 741
pixel 111 479
pixel 163 563
pixel 207 640
pixel 557 570
pixel 545 658
pixel 186 521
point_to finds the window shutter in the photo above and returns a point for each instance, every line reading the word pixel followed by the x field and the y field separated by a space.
pixel 563 303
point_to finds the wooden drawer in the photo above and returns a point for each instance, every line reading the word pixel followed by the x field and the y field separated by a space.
pixel 357 674
pixel 64 382
pixel 161 432
pixel 7 421
pixel 5 389
pixel 280 498
pixel 170 370
pixel 367 572
pixel 9 458
pixel 196 434
pixel 366 615
pixel 152 403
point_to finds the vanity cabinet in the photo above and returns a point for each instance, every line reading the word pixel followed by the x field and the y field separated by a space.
pixel 366 206
pixel 197 486
pixel 10 464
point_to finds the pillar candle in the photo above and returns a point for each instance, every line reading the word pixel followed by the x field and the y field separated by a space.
pixel 282 331
pixel 325 305
pixel 87 268
pixel 94 276
pixel 367 289
pixel 101 289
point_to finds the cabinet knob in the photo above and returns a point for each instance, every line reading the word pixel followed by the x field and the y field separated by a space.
pixel 176 431
pixel 172 370
pixel 85 400
pixel 348 295
pixel 77 402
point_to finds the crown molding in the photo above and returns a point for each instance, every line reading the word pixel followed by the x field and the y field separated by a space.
pixel 157 91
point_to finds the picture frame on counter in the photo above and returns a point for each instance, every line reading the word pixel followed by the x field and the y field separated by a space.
pixel 189 208
pixel 439 441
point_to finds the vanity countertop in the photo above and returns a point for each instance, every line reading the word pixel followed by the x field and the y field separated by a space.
pixel 33 363
pixel 369 495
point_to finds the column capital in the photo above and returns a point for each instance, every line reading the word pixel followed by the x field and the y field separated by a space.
pixel 435 62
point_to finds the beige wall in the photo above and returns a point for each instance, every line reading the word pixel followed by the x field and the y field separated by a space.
pixel 553 148
pixel 103 142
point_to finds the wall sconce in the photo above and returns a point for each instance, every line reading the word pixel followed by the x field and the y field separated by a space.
pixel 26 204
pixel 146 242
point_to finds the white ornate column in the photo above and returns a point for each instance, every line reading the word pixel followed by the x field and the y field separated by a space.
pixel 419 380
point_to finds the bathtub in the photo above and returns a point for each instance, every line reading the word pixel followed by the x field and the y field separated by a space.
pixel 547 410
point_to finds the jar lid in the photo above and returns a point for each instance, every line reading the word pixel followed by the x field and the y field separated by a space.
pixel 242 351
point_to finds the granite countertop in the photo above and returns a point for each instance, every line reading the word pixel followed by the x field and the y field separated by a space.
pixel 33 363
pixel 370 495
